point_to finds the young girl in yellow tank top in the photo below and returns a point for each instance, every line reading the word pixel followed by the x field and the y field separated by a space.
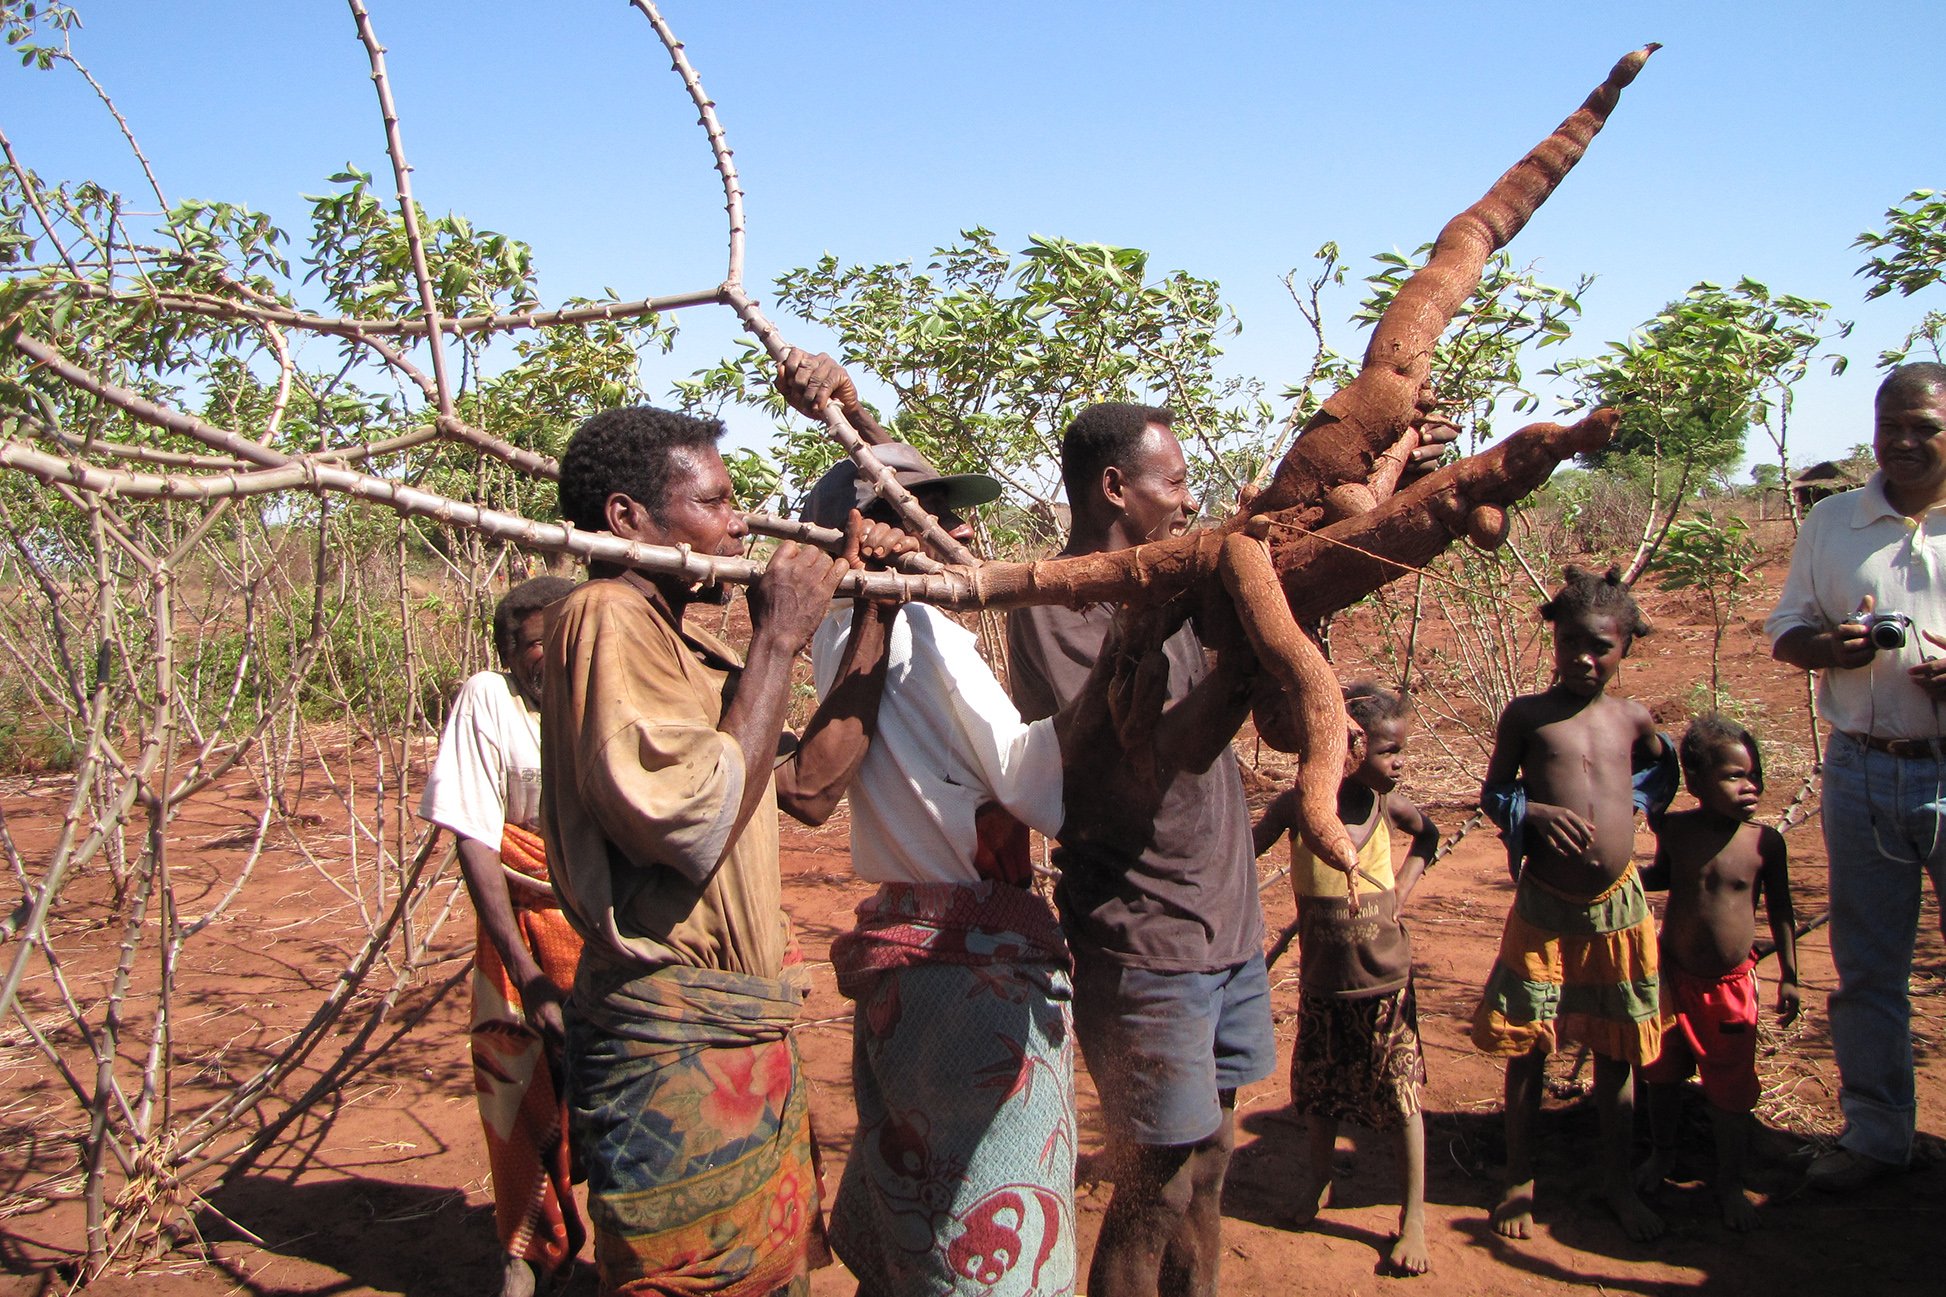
pixel 1357 1057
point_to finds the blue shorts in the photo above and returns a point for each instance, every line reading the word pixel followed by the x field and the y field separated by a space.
pixel 1161 1046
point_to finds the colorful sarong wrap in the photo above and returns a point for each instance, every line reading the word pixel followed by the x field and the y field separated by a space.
pixel 694 1122
pixel 1574 970
pixel 514 1080
pixel 961 1176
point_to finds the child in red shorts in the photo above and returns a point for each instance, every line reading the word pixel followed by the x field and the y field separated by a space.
pixel 1713 861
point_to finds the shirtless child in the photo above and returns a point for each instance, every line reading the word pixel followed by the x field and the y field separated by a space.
pixel 1577 961
pixel 1714 861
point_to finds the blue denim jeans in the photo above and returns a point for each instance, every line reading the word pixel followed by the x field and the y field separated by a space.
pixel 1884 824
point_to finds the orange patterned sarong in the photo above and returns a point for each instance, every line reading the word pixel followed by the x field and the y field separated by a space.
pixel 521 1106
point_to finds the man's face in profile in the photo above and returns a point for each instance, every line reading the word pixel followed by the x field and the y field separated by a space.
pixel 699 509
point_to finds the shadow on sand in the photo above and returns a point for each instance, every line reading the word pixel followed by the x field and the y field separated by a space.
pixel 383 1236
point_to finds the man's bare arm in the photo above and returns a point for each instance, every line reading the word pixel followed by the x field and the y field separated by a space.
pixel 486 883
pixel 1844 647
pixel 786 606
pixel 1202 722
pixel 811 782
pixel 839 734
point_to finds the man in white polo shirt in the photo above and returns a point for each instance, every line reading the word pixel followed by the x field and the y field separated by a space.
pixel 961 1175
pixel 1865 607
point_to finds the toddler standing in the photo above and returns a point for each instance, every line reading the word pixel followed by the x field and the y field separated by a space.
pixel 1714 863
pixel 1358 1057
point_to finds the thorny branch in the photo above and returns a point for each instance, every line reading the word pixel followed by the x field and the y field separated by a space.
pixel 225 601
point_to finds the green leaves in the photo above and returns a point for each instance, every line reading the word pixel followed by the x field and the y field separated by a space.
pixel 1701 553
pixel 1477 362
pixel 1911 252
pixel 1692 380
pixel 1911 255
pixel 1718 558
pixel 360 254
pixel 992 354
pixel 26 25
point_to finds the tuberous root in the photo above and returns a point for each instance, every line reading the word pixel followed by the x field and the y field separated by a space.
pixel 1317 708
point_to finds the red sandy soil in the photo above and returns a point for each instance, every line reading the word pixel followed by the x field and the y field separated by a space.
pixel 386 1190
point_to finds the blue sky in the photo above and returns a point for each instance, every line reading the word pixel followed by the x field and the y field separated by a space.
pixel 1228 139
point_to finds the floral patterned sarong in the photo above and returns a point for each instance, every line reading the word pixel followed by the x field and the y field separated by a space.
pixel 961 1176
pixel 694 1120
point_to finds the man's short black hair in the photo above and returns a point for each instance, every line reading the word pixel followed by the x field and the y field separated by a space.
pixel 626 450
pixel 1100 435
pixel 520 603
pixel 1921 378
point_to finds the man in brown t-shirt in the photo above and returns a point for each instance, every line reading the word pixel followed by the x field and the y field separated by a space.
pixel 658 805
pixel 1159 900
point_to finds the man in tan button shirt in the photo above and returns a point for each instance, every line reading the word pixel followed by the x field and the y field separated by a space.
pixel 659 808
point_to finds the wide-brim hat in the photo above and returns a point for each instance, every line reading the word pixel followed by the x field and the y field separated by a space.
pixel 832 497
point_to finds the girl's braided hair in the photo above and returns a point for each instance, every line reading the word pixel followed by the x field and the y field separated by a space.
pixel 1588 591
pixel 1370 702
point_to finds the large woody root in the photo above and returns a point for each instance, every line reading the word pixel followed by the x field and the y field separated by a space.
pixel 1258 585
pixel 1391 392
pixel 1315 706
pixel 1321 571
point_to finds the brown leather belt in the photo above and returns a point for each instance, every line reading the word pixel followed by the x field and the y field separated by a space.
pixel 1903 749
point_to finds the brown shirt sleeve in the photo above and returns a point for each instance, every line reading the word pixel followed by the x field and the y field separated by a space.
pixel 656 774
pixel 640 792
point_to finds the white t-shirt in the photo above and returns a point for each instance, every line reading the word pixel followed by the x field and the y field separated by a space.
pixel 488 771
pixel 949 741
pixel 1851 545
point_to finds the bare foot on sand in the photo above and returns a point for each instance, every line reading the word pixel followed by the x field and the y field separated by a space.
pixel 1739 1213
pixel 1514 1216
pixel 1409 1254
pixel 1637 1221
pixel 1315 1197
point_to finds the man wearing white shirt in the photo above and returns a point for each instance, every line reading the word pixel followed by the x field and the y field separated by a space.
pixel 485 789
pixel 961 1175
pixel 1860 557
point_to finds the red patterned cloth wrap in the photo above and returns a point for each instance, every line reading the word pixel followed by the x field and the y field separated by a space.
pixel 973 925
pixel 521 1108
pixel 1710 1030
pixel 961 1175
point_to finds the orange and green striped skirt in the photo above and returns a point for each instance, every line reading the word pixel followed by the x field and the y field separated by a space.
pixel 1574 970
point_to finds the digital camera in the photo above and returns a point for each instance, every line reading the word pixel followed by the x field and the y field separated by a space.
pixel 1886 630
